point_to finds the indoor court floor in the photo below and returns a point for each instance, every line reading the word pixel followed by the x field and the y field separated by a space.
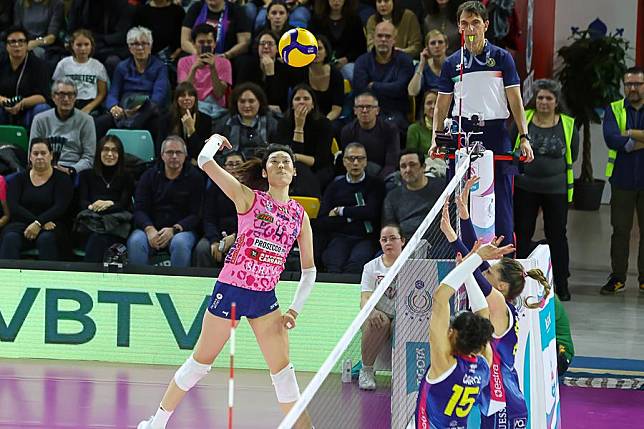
pixel 607 333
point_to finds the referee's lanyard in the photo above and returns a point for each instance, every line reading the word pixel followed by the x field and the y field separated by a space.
pixel 473 57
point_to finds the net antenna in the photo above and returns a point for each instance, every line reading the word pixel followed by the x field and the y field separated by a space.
pixel 334 357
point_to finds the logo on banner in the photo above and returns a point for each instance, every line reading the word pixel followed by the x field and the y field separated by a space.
pixel 417 362
pixel 419 302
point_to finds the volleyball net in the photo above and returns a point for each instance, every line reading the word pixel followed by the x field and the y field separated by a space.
pixel 333 397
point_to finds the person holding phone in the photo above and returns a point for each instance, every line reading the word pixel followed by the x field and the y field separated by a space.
pixel 210 74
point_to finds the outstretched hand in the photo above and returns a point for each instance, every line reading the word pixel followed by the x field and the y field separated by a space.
pixel 491 251
pixel 214 143
pixel 446 224
pixel 463 199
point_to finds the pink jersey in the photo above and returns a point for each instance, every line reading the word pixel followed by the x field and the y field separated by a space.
pixel 265 235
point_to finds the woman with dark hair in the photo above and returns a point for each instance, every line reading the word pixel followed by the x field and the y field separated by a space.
pixel 408 37
pixel 265 68
pixel 441 16
pixel 38 200
pixel 502 285
pixel 277 18
pixel 309 134
pixel 105 195
pixel 249 125
pixel 269 223
pixel 326 81
pixel 338 21
pixel 187 121
pixel 547 182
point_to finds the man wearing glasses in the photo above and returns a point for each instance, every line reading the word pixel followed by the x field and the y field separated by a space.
pixel 624 136
pixel 70 131
pixel 23 81
pixel 380 138
pixel 166 207
pixel 490 84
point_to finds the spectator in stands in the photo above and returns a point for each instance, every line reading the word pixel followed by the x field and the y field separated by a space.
pixel 219 219
pixel 386 72
pixel 309 134
pixel 377 330
pixel 4 207
pixel 70 132
pixel 546 184
pixel 267 70
pixel 299 14
pixel 23 81
pixel 105 196
pixel 89 75
pixel 167 201
pixel 431 61
pixel 249 125
pixel 38 200
pixel 326 81
pixel 186 121
pixel 407 29
pixel 339 22
pixel 210 74
pixel 408 204
pixel 379 137
pixel 441 16
pixel 233 37
pixel 139 90
pixel 164 18
pixel 109 22
pixel 349 214
pixel 44 20
pixel 624 136
pixel 419 134
pixel 277 18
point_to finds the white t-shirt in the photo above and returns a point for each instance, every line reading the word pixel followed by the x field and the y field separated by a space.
pixel 85 75
pixel 372 274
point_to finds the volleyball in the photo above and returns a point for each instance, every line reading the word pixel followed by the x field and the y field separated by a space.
pixel 298 47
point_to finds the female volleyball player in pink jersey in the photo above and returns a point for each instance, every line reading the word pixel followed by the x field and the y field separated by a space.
pixel 269 223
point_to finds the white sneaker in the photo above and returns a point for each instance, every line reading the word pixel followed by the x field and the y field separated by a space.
pixel 366 380
pixel 146 424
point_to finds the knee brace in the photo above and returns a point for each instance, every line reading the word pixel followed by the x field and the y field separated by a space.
pixel 285 383
pixel 190 373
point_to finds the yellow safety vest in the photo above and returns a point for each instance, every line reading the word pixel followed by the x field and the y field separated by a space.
pixel 568 123
pixel 620 116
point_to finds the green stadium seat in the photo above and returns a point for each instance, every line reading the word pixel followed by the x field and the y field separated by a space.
pixel 136 142
pixel 15 135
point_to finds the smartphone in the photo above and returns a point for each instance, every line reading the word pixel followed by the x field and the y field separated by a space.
pixel 206 49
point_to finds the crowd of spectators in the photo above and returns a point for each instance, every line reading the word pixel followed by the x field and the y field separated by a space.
pixel 71 71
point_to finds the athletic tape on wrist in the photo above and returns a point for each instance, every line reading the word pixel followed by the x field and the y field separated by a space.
pixel 209 149
pixel 460 273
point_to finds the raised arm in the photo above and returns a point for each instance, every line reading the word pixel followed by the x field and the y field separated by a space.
pixel 307 278
pixel 242 196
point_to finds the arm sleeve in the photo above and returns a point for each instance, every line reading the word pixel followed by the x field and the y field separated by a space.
pixel 83 190
pixel 322 141
pixel 388 214
pixel 361 74
pixel 63 192
pixel 126 195
pixel 14 192
pixel 392 148
pixel 469 237
pixel 183 69
pixel 88 143
pixel 57 18
pixel 336 86
pixel 612 134
pixel 485 286
pixel 574 144
pixel 116 86
pixel 367 283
